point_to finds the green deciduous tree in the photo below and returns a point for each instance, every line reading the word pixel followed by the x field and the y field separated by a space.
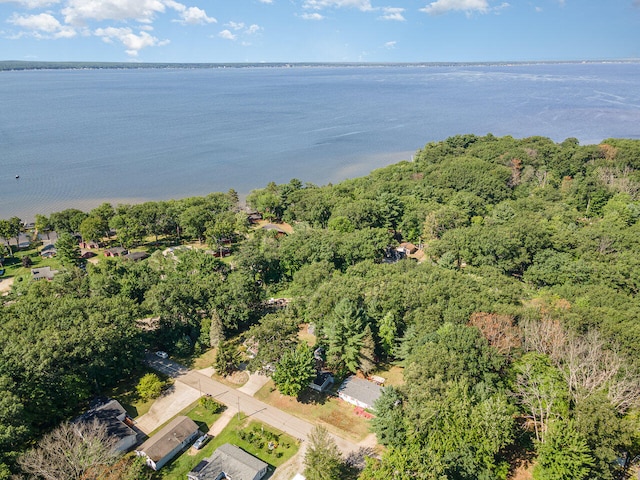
pixel 295 370
pixel 273 336
pixel 564 455
pixel 150 386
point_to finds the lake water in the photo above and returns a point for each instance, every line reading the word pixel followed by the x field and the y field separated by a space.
pixel 77 138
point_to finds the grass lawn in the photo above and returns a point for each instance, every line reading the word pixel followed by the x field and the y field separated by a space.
pixel 393 374
pixel 254 434
pixel 205 360
pixel 305 336
pixel 13 265
pixel 325 409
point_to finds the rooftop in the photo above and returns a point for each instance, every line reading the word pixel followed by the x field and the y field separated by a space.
pixel 233 461
pixel 359 389
pixel 163 442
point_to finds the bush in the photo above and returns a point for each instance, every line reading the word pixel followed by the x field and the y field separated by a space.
pixel 150 386
pixel 211 405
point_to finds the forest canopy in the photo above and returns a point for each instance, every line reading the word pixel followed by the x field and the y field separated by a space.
pixel 516 323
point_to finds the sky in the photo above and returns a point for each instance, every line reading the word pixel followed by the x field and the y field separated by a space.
pixel 254 31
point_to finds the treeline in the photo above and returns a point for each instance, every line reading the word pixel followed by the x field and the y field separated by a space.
pixel 526 291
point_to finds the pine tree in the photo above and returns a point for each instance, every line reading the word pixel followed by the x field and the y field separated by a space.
pixel 322 460
pixel 367 351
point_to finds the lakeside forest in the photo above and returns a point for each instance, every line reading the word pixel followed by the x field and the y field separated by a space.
pixel 517 329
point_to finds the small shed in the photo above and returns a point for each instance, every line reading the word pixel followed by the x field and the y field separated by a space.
pixel 165 444
pixel 322 381
pixel 359 392
pixel 229 461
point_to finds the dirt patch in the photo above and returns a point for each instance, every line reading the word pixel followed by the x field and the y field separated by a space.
pixel 237 378
pixel 522 472
pixel 5 284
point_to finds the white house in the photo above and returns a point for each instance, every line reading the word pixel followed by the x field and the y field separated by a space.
pixel 165 444
pixel 359 392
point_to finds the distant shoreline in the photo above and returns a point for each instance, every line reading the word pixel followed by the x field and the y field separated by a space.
pixel 19 65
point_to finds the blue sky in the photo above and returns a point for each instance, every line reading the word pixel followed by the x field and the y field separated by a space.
pixel 319 30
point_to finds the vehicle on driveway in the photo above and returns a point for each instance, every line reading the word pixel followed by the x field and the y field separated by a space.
pixel 162 354
pixel 201 441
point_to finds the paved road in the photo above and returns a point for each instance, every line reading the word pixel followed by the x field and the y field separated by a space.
pixel 249 406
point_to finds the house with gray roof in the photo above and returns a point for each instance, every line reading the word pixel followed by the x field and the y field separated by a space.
pixel 359 392
pixel 114 417
pixel 229 462
pixel 43 273
pixel 165 444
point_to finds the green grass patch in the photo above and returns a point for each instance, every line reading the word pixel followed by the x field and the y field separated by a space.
pixel 251 436
pixel 13 265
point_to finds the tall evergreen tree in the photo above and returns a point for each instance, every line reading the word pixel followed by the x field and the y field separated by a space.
pixel 322 460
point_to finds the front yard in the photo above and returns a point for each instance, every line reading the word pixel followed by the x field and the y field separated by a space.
pixel 253 437
pixel 338 416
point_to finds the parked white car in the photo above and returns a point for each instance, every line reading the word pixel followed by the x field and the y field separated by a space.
pixel 200 442
pixel 162 354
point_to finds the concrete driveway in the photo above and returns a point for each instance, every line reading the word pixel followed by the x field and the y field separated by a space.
pixel 172 402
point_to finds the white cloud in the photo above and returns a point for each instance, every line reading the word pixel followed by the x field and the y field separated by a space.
pixel 227 35
pixel 253 29
pixel 443 6
pixel 43 25
pixel 265 1
pixel 314 16
pixel 78 11
pixel 390 45
pixel 240 27
pixel 235 25
pixel 133 42
pixel 392 13
pixel 32 3
pixel 195 16
pixel 364 5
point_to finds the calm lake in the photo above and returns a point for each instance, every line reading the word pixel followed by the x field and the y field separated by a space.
pixel 77 138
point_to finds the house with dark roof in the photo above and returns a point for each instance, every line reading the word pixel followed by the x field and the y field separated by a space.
pixel 272 227
pixel 42 273
pixel 229 462
pixel 49 251
pixel 115 252
pixel 114 417
pixel 165 444
pixel 359 392
pixel 136 256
